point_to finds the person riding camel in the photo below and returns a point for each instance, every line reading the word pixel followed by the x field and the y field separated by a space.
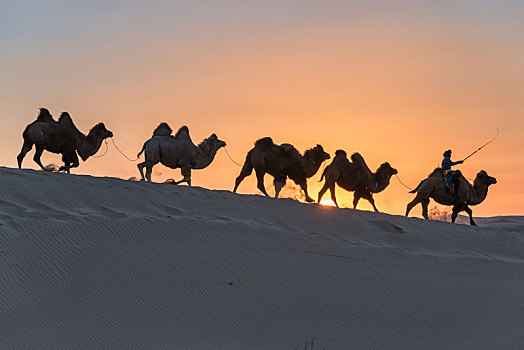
pixel 447 163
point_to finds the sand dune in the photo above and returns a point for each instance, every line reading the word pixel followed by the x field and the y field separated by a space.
pixel 104 263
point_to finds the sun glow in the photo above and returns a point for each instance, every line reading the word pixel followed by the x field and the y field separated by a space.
pixel 327 202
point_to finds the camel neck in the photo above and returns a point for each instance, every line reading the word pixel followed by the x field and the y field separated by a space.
pixel 311 167
pixel 89 145
pixel 205 156
pixel 381 181
pixel 479 194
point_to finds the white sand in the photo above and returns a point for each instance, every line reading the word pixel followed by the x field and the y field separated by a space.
pixel 103 263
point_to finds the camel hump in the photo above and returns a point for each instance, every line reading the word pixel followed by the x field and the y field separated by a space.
pixel 65 119
pixel 163 129
pixel 183 131
pixel 437 172
pixel 358 160
pixel 264 142
pixel 457 174
pixel 341 153
pixel 44 116
pixel 341 158
pixel 287 148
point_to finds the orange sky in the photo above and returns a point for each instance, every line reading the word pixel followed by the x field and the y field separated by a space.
pixel 397 85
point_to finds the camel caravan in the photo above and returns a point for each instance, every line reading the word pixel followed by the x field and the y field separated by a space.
pixel 282 161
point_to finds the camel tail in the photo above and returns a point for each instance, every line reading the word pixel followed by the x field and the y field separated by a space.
pixel 323 174
pixel 142 150
pixel 416 188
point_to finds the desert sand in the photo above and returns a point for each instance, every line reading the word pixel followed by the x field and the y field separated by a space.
pixel 104 263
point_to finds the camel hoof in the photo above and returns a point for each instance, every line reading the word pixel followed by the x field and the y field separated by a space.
pixel 310 200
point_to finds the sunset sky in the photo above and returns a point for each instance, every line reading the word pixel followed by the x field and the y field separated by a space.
pixel 396 81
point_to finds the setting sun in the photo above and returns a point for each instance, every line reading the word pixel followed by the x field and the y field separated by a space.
pixel 327 202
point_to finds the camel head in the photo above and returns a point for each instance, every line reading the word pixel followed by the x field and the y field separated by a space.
pixel 387 169
pixel 100 130
pixel 215 142
pixel 316 155
pixel 483 178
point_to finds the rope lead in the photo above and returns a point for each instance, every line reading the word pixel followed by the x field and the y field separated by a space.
pixel 398 178
pixel 101 155
pixel 225 149
pixel 122 153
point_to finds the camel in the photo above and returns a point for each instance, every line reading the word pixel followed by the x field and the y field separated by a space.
pixel 355 176
pixel 61 137
pixel 434 187
pixel 177 152
pixel 281 161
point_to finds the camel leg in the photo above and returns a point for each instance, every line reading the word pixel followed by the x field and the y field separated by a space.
pixel 149 171
pixel 74 160
pixel 260 182
pixel 26 147
pixel 333 198
pixel 66 163
pixel 425 204
pixel 412 204
pixel 331 186
pixel 238 181
pixel 141 167
pixel 457 208
pixel 279 182
pixel 247 169
pixel 70 161
pixel 369 197
pixel 303 186
pixel 151 159
pixel 468 210
pixel 322 191
pixel 454 214
pixel 186 173
pixel 38 154
pixel 65 168
pixel 356 198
